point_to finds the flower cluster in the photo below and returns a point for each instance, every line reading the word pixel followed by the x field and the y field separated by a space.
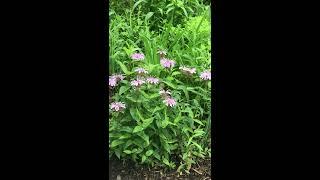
pixel 205 75
pixel 168 100
pixel 114 79
pixel 152 80
pixel 117 106
pixel 137 56
pixel 137 83
pixel 188 71
pixel 167 63
pixel 141 71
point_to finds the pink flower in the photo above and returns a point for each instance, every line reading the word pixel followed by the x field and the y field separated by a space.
pixel 164 92
pixel 141 71
pixel 205 75
pixel 119 77
pixel 188 71
pixel 137 56
pixel 117 106
pixel 137 82
pixel 112 81
pixel 152 80
pixel 170 102
pixel 167 63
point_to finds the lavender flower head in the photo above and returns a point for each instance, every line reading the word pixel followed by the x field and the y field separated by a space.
pixel 188 71
pixel 117 106
pixel 205 75
pixel 152 80
pixel 141 71
pixel 167 63
pixel 137 83
pixel 170 102
pixel 119 77
pixel 112 81
pixel 137 56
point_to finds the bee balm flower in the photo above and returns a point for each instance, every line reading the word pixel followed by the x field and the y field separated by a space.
pixel 167 63
pixel 152 80
pixel 205 75
pixel 117 106
pixel 141 71
pixel 170 102
pixel 137 56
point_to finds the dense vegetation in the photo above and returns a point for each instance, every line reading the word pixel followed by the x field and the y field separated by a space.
pixel 160 82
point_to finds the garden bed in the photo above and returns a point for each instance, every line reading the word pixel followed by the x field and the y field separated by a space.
pixel 129 171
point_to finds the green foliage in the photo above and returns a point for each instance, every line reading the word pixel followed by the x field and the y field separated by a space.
pixel 147 131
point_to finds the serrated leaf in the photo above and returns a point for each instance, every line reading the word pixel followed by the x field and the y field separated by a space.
pixel 149 153
pixel 134 114
pixel 139 114
pixel 154 95
pixel 156 155
pixel 137 129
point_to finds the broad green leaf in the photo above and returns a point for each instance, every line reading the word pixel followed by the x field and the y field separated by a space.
pixel 175 73
pixel 123 67
pixel 127 151
pixel 125 136
pixel 143 158
pixel 165 161
pixel 137 129
pixel 170 84
pixel 149 153
pixel 139 114
pixel 123 89
pixel 147 122
pixel 116 143
pixel 144 137
pixel 134 114
pixel 198 121
pixel 154 95
pixel 148 16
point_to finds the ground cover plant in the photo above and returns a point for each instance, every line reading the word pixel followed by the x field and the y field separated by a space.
pixel 160 82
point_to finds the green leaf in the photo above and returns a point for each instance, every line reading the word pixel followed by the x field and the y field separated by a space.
pixel 149 153
pixel 123 89
pixel 165 161
pixel 136 4
pixel 125 136
pixel 170 84
pixel 154 95
pixel 198 121
pixel 116 143
pixel 117 152
pixel 144 137
pixel 134 114
pixel 139 114
pixel 147 122
pixel 175 73
pixel 156 155
pixel 127 151
pixel 137 129
pixel 143 158
pixel 123 67
pixel 148 16
pixel 185 12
